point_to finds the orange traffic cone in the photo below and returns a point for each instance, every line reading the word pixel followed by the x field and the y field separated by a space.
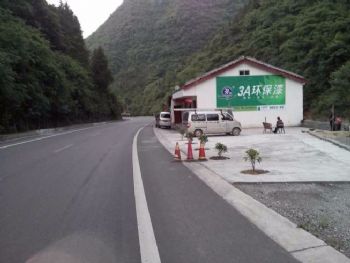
pixel 177 152
pixel 189 151
pixel 202 152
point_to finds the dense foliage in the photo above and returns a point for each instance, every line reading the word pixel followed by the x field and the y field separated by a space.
pixel 147 41
pixel 339 93
pixel 155 45
pixel 309 37
pixel 45 76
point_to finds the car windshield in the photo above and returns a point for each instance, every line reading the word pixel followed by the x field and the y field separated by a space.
pixel 227 117
pixel 165 115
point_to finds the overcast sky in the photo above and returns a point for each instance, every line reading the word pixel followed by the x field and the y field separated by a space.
pixel 91 13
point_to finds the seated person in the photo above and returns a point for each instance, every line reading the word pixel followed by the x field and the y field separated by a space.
pixel 279 125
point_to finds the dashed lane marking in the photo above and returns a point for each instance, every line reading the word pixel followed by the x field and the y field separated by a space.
pixel 45 137
pixel 63 148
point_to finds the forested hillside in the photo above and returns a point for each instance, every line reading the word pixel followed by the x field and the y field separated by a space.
pixel 45 75
pixel 309 37
pixel 155 45
pixel 147 41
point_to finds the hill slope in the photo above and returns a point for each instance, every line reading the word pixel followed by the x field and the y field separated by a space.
pixel 309 37
pixel 146 42
pixel 45 76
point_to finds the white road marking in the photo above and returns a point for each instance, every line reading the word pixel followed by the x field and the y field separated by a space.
pixel 148 244
pixel 43 138
pixel 63 148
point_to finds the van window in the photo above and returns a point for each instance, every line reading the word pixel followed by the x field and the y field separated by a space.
pixel 226 117
pixel 212 117
pixel 165 115
pixel 198 117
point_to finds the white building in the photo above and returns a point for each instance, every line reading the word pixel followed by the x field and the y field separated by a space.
pixel 252 89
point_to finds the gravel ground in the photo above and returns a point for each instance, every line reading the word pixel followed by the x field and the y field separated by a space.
pixel 340 136
pixel 320 208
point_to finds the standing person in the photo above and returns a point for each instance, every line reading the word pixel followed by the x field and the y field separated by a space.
pixel 331 121
pixel 337 123
pixel 279 125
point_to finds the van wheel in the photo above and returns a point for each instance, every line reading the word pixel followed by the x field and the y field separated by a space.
pixel 236 131
pixel 198 133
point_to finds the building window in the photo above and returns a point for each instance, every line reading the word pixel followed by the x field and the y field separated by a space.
pixel 244 72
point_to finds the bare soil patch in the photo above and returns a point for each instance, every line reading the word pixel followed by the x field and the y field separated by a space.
pixel 219 158
pixel 256 172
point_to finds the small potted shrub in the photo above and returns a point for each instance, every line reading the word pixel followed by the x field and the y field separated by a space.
pixel 203 139
pixel 190 136
pixel 220 148
pixel 253 156
pixel 182 131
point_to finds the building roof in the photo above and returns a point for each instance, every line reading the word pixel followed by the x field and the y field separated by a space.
pixel 247 60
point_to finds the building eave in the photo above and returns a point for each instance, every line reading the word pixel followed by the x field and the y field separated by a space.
pixel 244 60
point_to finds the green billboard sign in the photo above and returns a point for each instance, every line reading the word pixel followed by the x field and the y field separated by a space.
pixel 251 93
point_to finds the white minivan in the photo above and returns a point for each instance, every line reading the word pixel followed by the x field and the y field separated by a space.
pixel 210 122
pixel 163 120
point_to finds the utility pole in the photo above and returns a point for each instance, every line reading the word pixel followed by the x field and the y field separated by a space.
pixel 333 118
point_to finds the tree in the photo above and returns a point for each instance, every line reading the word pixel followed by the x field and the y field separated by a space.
pixel 45 83
pixel 221 148
pixel 73 42
pixel 253 156
pixel 339 93
pixel 39 15
pixel 101 73
pixel 27 70
pixel 307 37
pixel 203 138
pixel 102 77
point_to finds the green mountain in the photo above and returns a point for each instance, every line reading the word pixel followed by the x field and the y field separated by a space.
pixel 148 41
pixel 45 75
pixel 309 37
pixel 154 45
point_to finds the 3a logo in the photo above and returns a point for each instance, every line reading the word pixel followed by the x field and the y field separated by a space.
pixel 226 92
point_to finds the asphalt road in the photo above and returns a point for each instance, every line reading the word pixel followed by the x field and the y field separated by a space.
pixel 70 198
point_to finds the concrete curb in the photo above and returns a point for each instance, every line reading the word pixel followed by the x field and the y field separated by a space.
pixel 322 125
pixel 343 146
pixel 300 243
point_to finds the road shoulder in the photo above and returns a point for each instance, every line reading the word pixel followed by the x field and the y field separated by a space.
pixel 301 244
pixel 191 222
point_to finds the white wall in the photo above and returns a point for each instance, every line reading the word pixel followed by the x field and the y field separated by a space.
pixel 291 115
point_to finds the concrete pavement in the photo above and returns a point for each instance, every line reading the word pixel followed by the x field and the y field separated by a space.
pixel 291 157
